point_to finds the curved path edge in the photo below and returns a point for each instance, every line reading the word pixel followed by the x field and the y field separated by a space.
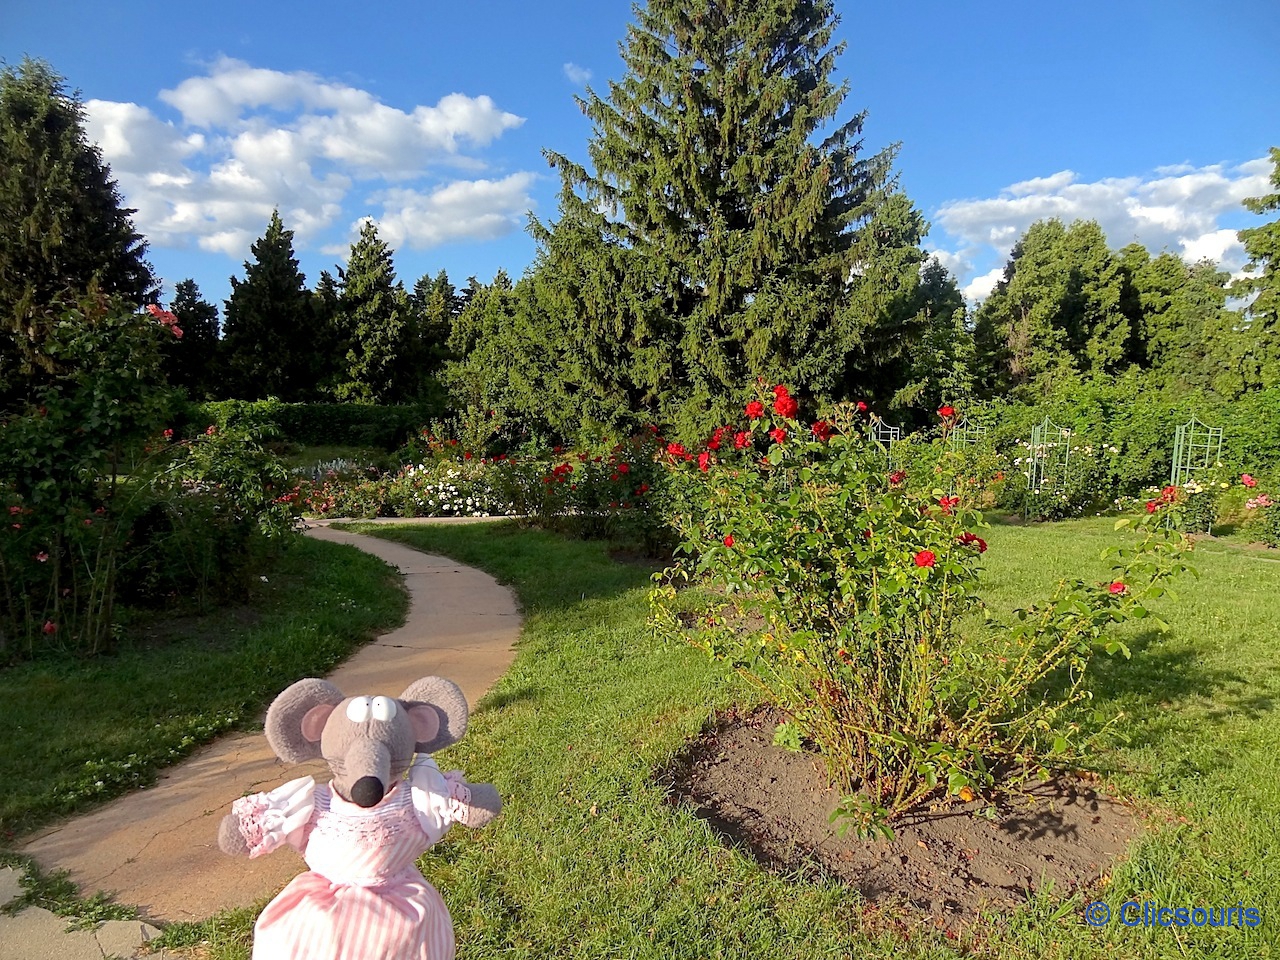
pixel 157 848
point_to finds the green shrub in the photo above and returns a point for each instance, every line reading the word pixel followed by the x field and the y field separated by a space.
pixel 312 424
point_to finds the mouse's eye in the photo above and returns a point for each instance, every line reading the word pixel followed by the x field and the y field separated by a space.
pixel 383 708
pixel 358 709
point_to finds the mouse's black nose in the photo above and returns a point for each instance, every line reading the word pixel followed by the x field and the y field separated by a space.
pixel 367 791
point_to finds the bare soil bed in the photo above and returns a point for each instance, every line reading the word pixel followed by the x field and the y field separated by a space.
pixel 949 863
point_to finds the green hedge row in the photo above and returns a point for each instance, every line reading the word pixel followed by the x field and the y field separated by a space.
pixel 1142 423
pixel 314 424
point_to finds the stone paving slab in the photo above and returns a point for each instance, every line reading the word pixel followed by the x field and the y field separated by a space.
pixel 157 848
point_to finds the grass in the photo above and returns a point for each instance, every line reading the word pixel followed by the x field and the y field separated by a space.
pixel 80 731
pixel 591 860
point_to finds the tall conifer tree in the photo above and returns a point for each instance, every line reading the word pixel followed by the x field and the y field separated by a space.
pixel 1258 353
pixel 715 235
pixel 374 311
pixel 63 224
pixel 189 361
pixel 267 348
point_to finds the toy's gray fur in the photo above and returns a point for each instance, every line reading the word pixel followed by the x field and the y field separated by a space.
pixel 366 758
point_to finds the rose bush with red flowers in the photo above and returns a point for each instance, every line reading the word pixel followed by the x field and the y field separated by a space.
pixel 114 512
pixel 858 586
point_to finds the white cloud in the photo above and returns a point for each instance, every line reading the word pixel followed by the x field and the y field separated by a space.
pixel 252 139
pixel 979 288
pixel 462 210
pixel 577 74
pixel 1177 208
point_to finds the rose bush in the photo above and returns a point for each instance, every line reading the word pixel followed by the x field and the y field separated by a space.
pixel 839 592
pixel 102 503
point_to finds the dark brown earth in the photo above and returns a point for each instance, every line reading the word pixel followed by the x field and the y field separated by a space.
pixel 949 863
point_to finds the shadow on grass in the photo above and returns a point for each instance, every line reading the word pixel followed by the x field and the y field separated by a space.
pixel 1165 691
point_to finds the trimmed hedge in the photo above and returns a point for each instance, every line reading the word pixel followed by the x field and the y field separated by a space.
pixel 313 424
pixel 1141 423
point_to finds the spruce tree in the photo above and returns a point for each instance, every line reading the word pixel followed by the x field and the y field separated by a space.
pixel 437 305
pixel 374 311
pixel 1257 355
pixel 189 361
pixel 63 224
pixel 267 348
pixel 714 236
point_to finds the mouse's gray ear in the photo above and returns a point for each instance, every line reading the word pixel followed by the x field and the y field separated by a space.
pixel 296 718
pixel 438 711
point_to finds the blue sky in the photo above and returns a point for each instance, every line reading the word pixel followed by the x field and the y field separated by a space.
pixel 1152 117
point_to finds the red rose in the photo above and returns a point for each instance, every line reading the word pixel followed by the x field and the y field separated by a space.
pixel 822 430
pixel 728 541
pixel 973 540
pixel 862 406
pixel 1152 506
pixel 644 488
pixel 1247 480
pixel 704 461
pixel 1169 494
pixel 780 391
pixel 946 411
pixel 1117 587
pixel 210 430
pixel 675 449
pixel 755 410
pixel 50 627
pixel 948 504
pixel 779 435
pixel 741 440
pixel 467 455
pixel 168 434
pixel 897 477
pixel 925 558
pixel 786 406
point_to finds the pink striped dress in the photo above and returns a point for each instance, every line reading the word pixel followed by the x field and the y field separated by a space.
pixel 363 898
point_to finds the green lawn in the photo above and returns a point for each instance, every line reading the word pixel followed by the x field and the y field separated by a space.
pixel 591 860
pixel 78 731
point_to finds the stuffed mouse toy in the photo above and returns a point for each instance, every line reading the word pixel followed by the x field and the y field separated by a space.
pixel 362 832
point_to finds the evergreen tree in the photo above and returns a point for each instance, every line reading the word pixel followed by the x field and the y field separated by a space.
pixel 437 305
pixel 501 361
pixel 375 313
pixel 1180 309
pixel 714 238
pixel 1257 354
pixel 267 348
pixel 62 222
pixel 330 338
pixel 189 361
pixel 938 367
pixel 885 293
pixel 1057 312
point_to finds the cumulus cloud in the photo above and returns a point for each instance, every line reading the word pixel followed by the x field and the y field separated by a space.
pixel 1177 208
pixel 979 288
pixel 462 210
pixel 577 74
pixel 250 140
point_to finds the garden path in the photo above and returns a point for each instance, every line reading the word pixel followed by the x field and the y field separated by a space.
pixel 157 848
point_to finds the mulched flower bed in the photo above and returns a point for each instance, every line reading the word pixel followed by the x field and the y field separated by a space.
pixel 948 863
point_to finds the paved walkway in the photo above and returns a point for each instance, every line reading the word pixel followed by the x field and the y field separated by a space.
pixel 157 848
